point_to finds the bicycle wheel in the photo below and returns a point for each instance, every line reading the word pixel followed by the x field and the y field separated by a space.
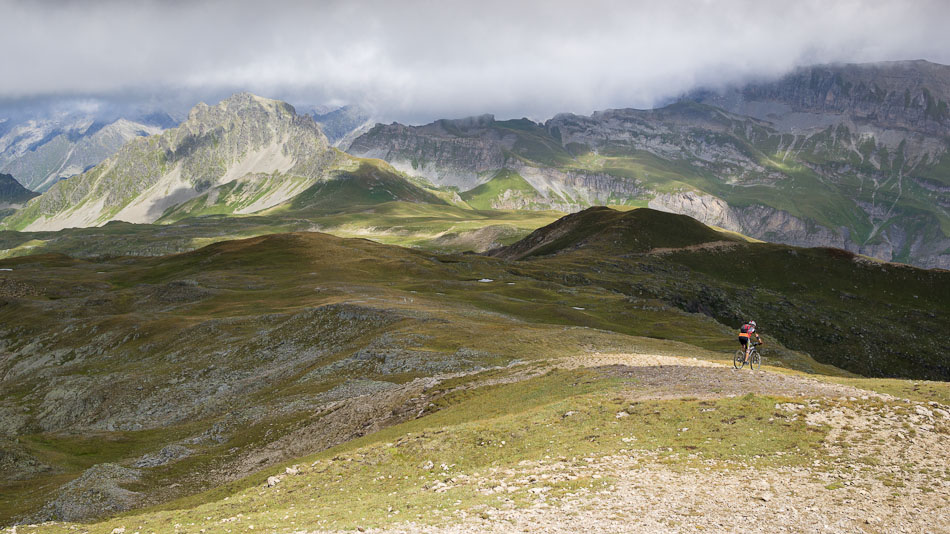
pixel 755 361
pixel 739 361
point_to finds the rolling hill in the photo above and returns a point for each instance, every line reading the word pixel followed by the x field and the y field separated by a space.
pixel 829 303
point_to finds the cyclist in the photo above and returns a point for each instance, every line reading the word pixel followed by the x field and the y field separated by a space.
pixel 745 334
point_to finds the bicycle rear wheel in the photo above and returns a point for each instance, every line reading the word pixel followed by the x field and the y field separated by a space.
pixel 739 361
pixel 755 361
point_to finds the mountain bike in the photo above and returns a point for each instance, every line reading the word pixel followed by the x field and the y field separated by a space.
pixel 755 359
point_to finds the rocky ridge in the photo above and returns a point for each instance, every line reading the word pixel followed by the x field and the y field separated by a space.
pixel 897 95
pixel 852 156
pixel 466 153
pixel 244 137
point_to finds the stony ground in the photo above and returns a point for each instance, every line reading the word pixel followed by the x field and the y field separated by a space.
pixel 885 467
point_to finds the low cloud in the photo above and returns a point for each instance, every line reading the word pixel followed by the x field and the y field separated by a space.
pixel 415 61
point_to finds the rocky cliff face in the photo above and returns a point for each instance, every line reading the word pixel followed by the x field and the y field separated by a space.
pixel 852 156
pixel 911 95
pixel 466 153
pixel 739 182
pixel 447 152
pixel 776 225
pixel 242 137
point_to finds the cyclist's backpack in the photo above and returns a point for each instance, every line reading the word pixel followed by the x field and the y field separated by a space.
pixel 746 328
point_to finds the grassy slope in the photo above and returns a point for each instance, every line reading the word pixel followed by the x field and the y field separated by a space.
pixel 477 439
pixel 504 180
pixel 489 430
pixel 847 312
pixel 255 284
pixel 588 298
pixel 370 184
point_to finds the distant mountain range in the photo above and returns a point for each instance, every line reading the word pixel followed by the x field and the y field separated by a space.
pixel 851 156
pixel 43 147
pixel 344 124
pixel 45 144
pixel 244 155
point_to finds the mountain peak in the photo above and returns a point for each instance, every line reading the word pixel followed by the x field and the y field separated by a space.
pixel 242 103
pixel 246 100
pixel 259 142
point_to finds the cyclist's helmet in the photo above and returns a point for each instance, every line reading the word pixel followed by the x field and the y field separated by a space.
pixel 753 323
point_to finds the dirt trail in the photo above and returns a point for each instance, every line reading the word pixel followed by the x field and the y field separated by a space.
pixel 665 377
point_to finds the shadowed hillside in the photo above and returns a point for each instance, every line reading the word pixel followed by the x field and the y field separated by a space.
pixel 863 315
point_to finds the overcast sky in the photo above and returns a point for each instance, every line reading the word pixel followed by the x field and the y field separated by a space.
pixel 416 61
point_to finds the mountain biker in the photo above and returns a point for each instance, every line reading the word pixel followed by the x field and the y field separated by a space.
pixel 745 334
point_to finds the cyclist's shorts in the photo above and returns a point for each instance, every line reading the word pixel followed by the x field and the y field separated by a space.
pixel 743 340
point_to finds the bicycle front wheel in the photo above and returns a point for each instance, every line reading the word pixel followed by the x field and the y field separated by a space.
pixel 755 361
pixel 739 361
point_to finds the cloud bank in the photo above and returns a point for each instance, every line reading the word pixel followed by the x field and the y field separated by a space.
pixel 418 60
